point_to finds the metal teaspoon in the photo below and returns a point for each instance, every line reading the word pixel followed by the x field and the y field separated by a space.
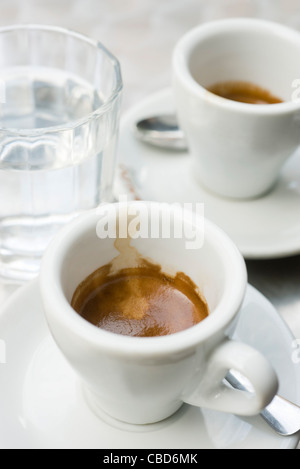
pixel 162 131
pixel 282 415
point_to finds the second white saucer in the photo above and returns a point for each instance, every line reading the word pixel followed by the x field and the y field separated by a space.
pixel 268 227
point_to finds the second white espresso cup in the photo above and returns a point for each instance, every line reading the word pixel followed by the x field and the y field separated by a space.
pixel 238 149
pixel 144 380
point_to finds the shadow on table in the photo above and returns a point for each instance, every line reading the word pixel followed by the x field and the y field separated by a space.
pixel 279 281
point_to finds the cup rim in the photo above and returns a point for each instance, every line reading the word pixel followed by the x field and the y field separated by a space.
pixel 187 42
pixel 57 306
pixel 84 38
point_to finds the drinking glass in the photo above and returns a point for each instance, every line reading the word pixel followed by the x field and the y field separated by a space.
pixel 59 116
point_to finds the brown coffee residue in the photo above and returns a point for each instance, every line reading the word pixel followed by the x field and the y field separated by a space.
pixel 244 92
pixel 132 296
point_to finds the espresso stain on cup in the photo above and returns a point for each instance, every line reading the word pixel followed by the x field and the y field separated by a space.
pixel 133 296
pixel 244 92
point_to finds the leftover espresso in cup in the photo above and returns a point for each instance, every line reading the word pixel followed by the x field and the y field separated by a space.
pixel 244 92
pixel 140 301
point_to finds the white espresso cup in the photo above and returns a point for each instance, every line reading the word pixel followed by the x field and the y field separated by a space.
pixel 238 149
pixel 145 380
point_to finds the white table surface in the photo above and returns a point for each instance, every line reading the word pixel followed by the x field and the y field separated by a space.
pixel 142 34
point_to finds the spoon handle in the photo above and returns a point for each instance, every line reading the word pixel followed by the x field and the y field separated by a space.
pixel 282 415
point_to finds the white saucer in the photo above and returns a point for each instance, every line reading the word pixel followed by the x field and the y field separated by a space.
pixel 268 227
pixel 42 405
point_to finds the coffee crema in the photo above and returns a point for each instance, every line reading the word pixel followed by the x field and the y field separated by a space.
pixel 139 301
pixel 243 92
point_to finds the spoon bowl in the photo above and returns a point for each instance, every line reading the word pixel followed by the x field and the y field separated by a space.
pixel 161 131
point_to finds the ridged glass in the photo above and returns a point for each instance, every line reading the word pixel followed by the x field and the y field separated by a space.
pixel 60 98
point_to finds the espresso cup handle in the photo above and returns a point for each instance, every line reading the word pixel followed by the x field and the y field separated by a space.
pixel 212 392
